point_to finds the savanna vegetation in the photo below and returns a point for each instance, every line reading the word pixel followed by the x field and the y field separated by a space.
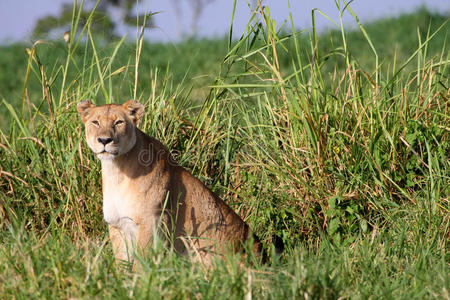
pixel 337 142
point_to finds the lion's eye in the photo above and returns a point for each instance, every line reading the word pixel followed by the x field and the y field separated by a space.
pixel 118 122
pixel 95 123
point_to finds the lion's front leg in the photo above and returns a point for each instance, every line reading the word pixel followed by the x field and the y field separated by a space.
pixel 118 243
pixel 123 239
pixel 146 233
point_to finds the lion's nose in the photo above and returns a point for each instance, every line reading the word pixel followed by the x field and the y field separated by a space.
pixel 104 141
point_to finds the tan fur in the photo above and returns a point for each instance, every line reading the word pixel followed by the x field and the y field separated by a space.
pixel 145 190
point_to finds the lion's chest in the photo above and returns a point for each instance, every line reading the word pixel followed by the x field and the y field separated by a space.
pixel 117 200
pixel 116 205
pixel 117 212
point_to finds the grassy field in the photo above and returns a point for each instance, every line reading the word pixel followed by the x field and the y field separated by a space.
pixel 337 142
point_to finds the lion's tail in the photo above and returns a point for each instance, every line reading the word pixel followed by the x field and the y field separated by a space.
pixel 278 244
pixel 261 251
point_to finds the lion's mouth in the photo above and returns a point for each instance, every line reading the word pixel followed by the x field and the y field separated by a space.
pixel 105 152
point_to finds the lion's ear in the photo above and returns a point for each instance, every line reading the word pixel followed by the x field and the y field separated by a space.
pixel 135 110
pixel 83 109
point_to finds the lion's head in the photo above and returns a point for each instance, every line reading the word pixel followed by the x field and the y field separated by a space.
pixel 110 128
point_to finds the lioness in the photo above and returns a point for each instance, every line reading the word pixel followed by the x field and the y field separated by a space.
pixel 143 187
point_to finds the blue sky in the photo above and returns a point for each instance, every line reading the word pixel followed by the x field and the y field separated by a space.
pixel 17 17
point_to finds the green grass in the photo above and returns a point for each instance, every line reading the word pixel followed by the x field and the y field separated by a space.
pixel 337 142
pixel 387 267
